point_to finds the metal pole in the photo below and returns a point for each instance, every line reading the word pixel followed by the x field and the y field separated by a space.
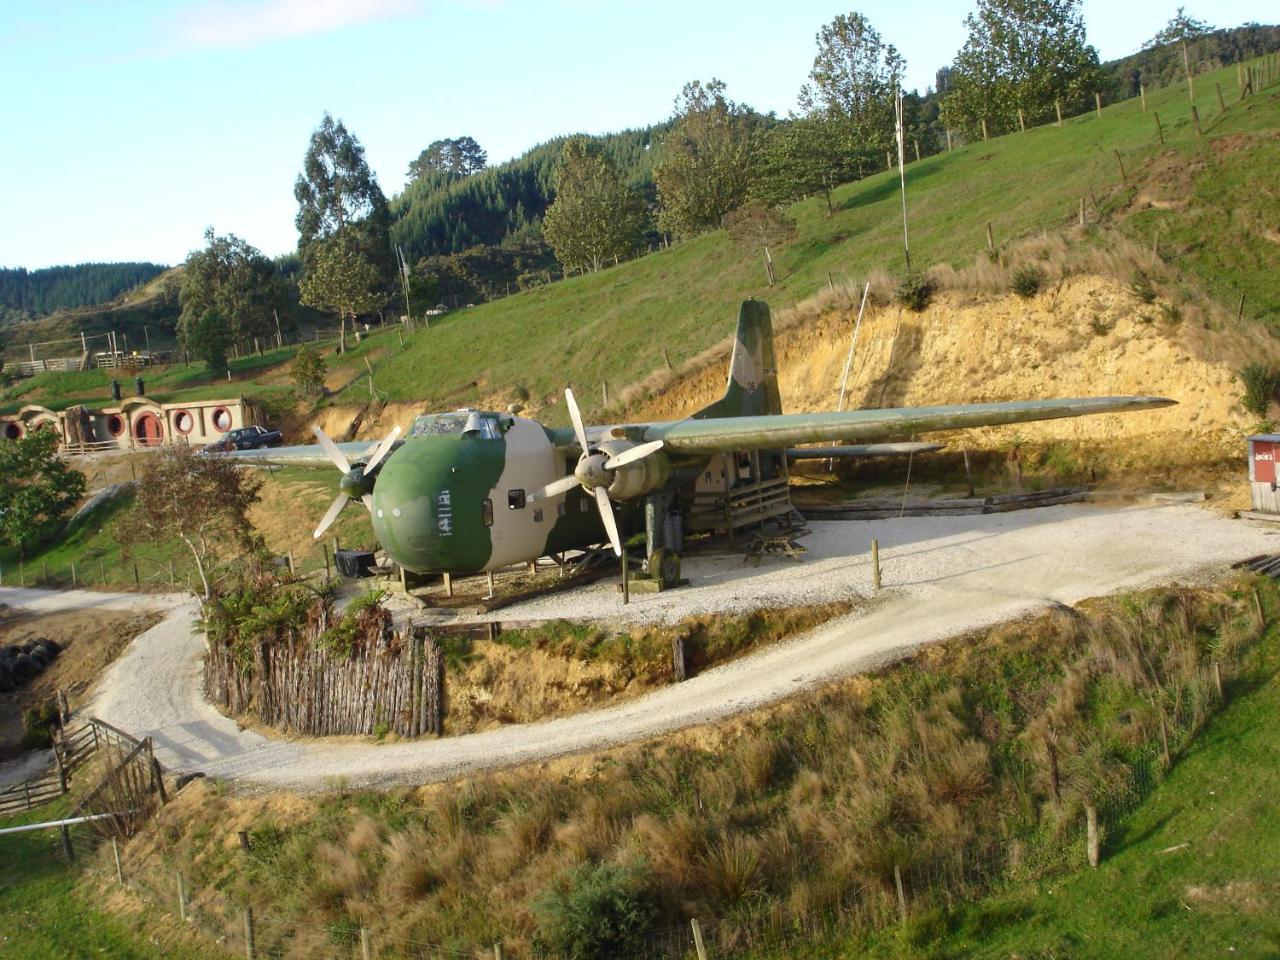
pixel 875 564
pixel 853 342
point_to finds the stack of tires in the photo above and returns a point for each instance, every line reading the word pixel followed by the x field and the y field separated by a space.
pixel 22 662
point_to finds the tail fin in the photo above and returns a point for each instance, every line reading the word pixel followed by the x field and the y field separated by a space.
pixel 753 371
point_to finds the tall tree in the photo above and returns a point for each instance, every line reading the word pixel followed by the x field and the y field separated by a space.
pixel 201 501
pixel 343 215
pixel 208 339
pixel 808 155
pixel 1020 54
pixel 235 279
pixel 595 215
pixel 336 188
pixel 38 490
pixel 342 277
pixel 708 159
pixel 759 227
pixel 459 156
pixel 1180 29
pixel 854 77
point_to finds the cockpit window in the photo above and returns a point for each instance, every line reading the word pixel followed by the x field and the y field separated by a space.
pixel 515 499
pixel 484 425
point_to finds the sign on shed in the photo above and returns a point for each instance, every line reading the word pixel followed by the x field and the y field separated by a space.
pixel 1263 450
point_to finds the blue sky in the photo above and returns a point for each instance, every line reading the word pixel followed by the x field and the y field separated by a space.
pixel 131 126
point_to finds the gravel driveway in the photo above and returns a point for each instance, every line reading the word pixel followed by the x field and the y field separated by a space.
pixel 942 576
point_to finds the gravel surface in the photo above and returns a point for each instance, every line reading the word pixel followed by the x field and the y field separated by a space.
pixel 942 575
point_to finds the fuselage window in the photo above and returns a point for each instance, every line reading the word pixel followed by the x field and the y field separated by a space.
pixel 582 506
pixel 515 499
pixel 537 514
pixel 486 512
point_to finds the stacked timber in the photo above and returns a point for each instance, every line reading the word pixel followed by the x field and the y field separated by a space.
pixel 1002 503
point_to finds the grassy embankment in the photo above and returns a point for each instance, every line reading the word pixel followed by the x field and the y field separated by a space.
pixel 941 765
pixel 1212 193
pixel 46 913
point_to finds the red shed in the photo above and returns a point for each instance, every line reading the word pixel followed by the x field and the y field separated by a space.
pixel 1264 448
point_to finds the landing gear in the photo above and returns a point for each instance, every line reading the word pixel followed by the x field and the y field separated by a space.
pixel 663 537
pixel 664 568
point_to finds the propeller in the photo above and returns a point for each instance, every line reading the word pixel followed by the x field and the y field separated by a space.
pixel 592 472
pixel 357 481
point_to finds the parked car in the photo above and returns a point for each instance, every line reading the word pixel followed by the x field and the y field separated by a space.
pixel 247 438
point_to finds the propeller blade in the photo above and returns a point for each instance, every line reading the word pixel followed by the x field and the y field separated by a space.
pixel 331 450
pixel 578 430
pixel 330 515
pixel 610 521
pixel 383 449
pixel 563 485
pixel 367 500
pixel 632 455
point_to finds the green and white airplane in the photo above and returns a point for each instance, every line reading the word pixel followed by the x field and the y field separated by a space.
pixel 473 491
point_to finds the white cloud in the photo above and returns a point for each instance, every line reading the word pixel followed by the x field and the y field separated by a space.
pixel 237 25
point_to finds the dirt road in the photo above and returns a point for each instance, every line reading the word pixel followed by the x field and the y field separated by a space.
pixel 942 576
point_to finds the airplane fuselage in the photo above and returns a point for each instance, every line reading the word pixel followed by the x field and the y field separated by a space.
pixel 452 500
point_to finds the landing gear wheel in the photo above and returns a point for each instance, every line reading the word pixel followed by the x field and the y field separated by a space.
pixel 664 567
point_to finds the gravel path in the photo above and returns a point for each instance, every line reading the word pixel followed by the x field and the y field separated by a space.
pixel 942 575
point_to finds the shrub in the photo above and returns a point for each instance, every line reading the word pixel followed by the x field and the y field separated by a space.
pixel 914 292
pixel 596 910
pixel 1026 281
pixel 1260 382
pixel 1172 313
pixel 1141 288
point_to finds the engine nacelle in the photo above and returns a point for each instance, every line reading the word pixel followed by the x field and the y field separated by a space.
pixel 635 479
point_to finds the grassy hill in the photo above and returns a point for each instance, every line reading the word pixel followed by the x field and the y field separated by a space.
pixel 1210 197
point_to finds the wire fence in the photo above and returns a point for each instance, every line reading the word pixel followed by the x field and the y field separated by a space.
pixel 900 891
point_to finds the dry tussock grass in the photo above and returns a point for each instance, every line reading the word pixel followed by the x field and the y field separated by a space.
pixel 791 812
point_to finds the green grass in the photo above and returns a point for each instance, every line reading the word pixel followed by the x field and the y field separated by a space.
pixel 47 914
pixel 92 545
pixel 1151 897
pixel 612 326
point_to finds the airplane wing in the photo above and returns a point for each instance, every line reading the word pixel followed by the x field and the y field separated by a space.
pixel 725 434
pixel 857 450
pixel 304 455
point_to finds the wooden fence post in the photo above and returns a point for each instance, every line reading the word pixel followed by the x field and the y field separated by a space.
pixel 115 852
pixel 698 945
pixel 991 243
pixel 678 668
pixel 1097 101
pixel 1120 162
pixel 875 564
pixel 66 844
pixel 1195 120
pixel 1164 742
pixel 1091 827
pixel 1222 104
pixel 968 473
pixel 984 128
pixel 1159 128
pixel 1142 92
pixel 250 942
pixel 1057 106
pixel 1217 678
pixel 626 580
pixel 1022 121
pixel 902 894
pixel 497 951
pixel 366 951
pixel 182 896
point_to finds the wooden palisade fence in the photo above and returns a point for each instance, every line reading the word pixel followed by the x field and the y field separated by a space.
pixel 392 683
